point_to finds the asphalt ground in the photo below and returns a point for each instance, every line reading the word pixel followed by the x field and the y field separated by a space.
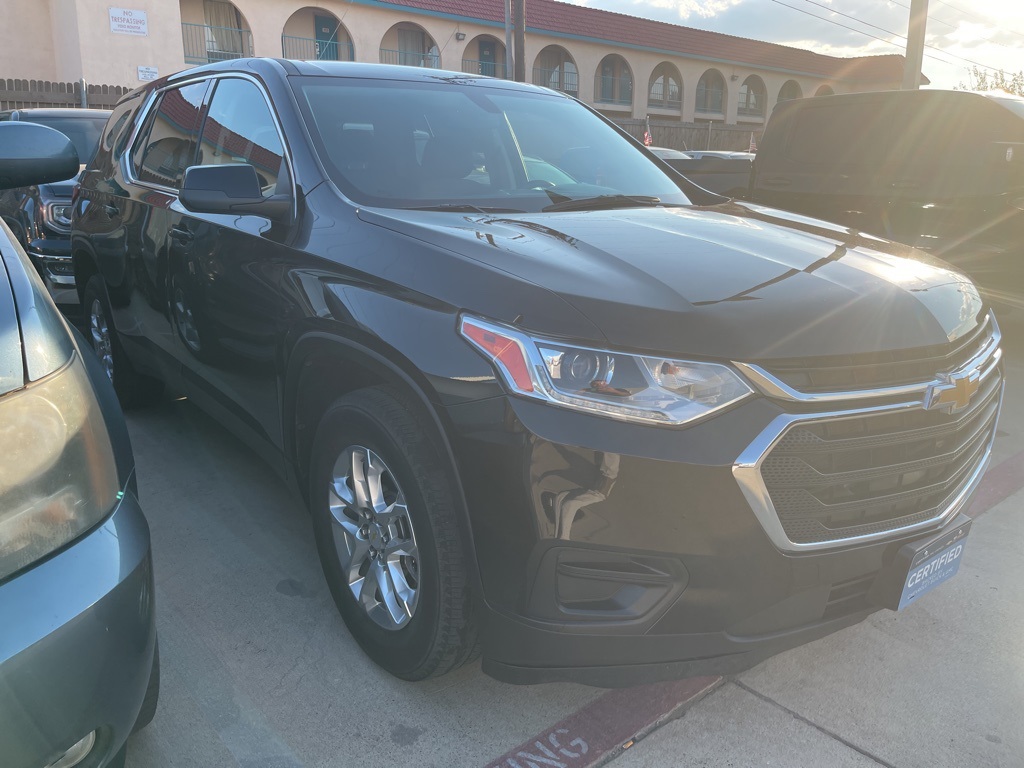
pixel 259 671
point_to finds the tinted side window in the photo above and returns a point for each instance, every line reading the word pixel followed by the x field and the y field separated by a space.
pixel 838 135
pixel 168 144
pixel 240 129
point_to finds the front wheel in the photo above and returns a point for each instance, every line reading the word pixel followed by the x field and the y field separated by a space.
pixel 388 536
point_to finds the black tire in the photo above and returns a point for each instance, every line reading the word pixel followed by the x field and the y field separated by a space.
pixel 132 388
pixel 148 710
pixel 441 633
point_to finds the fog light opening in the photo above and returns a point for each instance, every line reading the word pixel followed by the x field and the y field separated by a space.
pixel 77 753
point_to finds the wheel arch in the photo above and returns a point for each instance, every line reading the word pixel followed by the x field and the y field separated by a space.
pixel 324 367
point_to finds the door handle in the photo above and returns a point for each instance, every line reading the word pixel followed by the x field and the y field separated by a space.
pixel 111 210
pixel 182 235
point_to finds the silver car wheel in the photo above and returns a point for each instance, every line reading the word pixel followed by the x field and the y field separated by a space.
pixel 99 331
pixel 374 537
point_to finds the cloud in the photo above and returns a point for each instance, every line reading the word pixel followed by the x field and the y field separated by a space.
pixel 684 9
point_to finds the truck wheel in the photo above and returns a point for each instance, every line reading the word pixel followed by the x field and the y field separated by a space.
pixel 131 387
pixel 388 536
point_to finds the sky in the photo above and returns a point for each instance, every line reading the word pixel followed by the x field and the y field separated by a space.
pixel 986 32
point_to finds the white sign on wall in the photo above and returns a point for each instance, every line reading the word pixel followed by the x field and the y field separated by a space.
pixel 125 21
pixel 148 73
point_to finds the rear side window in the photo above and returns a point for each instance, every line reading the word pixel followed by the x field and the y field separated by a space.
pixel 167 145
pixel 240 128
pixel 839 135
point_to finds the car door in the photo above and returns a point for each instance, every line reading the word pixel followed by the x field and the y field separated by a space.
pixel 228 300
pixel 141 215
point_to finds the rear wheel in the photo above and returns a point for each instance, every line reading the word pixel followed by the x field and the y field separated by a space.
pixel 131 387
pixel 389 537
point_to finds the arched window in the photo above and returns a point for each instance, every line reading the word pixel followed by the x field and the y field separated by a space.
pixel 614 81
pixel 485 55
pixel 665 90
pixel 752 97
pixel 790 90
pixel 555 68
pixel 409 44
pixel 711 93
pixel 825 90
pixel 313 33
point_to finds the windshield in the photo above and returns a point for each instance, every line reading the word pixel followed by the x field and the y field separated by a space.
pixel 449 145
pixel 84 132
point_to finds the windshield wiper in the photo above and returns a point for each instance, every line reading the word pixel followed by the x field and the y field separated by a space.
pixel 605 201
pixel 465 208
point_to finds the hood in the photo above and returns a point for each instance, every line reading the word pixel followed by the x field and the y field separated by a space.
pixel 734 281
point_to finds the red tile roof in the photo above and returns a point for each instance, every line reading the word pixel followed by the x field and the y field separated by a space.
pixel 559 18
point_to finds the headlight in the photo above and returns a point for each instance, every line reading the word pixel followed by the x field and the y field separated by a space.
pixel 58 216
pixel 631 387
pixel 57 473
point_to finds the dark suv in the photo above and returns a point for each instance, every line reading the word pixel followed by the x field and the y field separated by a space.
pixel 606 429
pixel 40 215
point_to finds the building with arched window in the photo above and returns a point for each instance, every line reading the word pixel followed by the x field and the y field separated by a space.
pixel 606 59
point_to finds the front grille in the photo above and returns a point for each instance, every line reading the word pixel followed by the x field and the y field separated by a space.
pixel 881 369
pixel 839 478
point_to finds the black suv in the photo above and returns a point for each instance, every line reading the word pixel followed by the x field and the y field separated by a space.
pixel 40 215
pixel 608 427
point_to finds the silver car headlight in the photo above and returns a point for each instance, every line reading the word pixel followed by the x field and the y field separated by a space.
pixel 58 216
pixel 642 388
pixel 58 477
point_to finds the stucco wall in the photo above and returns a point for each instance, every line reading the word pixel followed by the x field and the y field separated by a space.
pixel 68 39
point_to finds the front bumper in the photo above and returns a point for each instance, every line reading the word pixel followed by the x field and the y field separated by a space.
pixel 77 644
pixel 637 557
pixel 52 257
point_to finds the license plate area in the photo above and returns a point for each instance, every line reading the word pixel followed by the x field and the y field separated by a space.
pixel 920 566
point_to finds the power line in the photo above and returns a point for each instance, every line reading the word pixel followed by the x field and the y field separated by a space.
pixel 882 29
pixel 954 26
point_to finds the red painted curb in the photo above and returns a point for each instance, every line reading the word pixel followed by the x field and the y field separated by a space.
pixel 607 725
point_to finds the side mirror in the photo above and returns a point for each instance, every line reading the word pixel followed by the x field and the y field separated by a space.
pixel 34 154
pixel 231 189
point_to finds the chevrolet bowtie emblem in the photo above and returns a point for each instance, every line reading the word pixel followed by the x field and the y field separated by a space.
pixel 952 392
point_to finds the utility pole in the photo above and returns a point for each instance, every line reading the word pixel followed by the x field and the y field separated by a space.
pixel 519 17
pixel 509 60
pixel 915 45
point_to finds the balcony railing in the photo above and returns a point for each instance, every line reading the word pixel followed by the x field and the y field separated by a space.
pixel 656 99
pixel 488 68
pixel 205 44
pixel 559 80
pixel 308 49
pixel 750 108
pixel 410 58
pixel 614 90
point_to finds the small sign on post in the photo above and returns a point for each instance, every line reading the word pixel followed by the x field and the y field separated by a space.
pixel 125 21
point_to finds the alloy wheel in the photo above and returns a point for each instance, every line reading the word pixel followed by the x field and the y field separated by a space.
pixel 374 537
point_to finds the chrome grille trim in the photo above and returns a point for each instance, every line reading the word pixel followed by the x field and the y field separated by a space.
pixel 772 386
pixel 747 470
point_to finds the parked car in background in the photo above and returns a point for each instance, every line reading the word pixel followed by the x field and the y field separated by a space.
pixel 606 424
pixel 78 662
pixel 40 214
pixel 725 173
pixel 939 170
